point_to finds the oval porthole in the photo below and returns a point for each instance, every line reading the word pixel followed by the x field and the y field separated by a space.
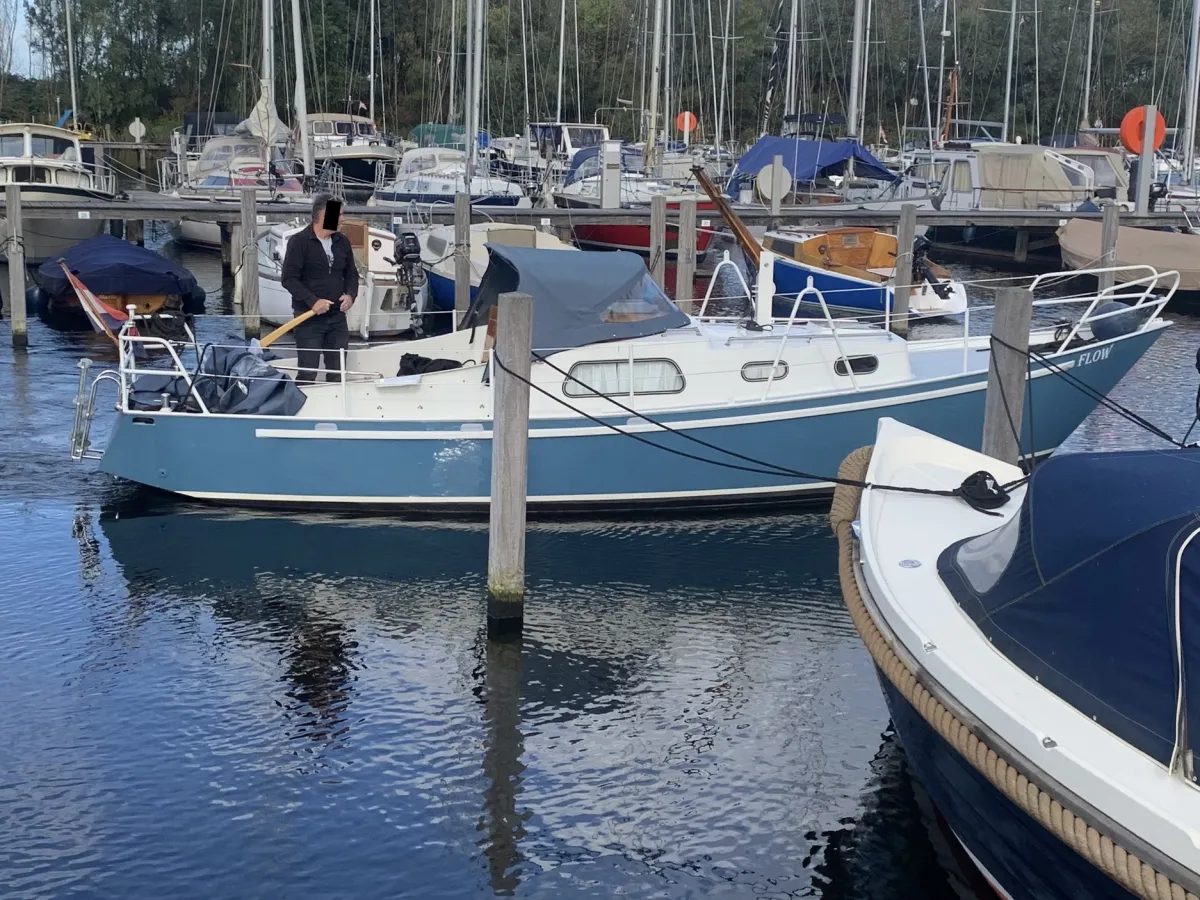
pixel 376 244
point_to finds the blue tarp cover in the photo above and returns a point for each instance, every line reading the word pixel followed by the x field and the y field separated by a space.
pixel 586 163
pixel 1079 589
pixel 807 160
pixel 109 265
pixel 580 297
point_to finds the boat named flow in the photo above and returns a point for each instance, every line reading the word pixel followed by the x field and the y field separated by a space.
pixel 633 403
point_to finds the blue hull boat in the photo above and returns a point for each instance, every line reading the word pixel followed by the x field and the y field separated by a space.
pixel 799 397
pixel 1035 656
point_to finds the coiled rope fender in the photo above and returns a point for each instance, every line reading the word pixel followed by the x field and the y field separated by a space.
pixel 1138 877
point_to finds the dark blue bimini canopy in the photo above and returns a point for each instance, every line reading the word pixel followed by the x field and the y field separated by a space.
pixel 109 265
pixel 806 161
pixel 586 163
pixel 580 297
pixel 1079 589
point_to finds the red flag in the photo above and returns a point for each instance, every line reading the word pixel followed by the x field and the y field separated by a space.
pixel 104 318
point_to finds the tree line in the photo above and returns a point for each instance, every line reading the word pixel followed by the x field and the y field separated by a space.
pixel 159 59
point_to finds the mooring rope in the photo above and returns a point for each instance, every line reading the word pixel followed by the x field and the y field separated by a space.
pixel 1125 868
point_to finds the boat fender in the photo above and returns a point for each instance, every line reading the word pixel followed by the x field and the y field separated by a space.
pixel 36 301
pixel 1118 325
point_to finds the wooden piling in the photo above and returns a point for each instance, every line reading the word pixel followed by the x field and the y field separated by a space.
pixel 658 239
pixel 249 262
pixel 685 255
pixel 906 235
pixel 776 184
pixel 462 256
pixel 135 232
pixel 510 445
pixel 1005 402
pixel 1021 246
pixel 16 266
pixel 1108 244
pixel 227 265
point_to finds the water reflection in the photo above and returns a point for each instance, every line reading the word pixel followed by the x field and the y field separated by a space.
pixel 504 745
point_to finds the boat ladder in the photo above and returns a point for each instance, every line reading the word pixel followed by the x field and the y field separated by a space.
pixel 85 411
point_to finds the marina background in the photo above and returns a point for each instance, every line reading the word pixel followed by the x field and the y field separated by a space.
pixel 203 702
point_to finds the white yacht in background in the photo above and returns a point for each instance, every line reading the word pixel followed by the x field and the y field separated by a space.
pixel 47 163
pixel 388 295
pixel 354 145
pixel 445 177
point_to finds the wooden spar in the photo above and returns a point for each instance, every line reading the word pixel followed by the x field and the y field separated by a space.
pixel 744 238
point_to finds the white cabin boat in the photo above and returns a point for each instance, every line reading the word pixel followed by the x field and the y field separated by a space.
pixel 434 175
pixel 48 165
pixel 354 145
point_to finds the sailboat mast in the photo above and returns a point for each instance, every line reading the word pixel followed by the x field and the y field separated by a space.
pixel 925 70
pixel 371 66
pixel 1087 72
pixel 1008 71
pixel 562 51
pixel 941 59
pixel 789 92
pixel 668 37
pixel 71 67
pixel 1193 84
pixel 856 75
pixel 301 96
pixel 655 76
pixel 476 88
pixel 267 73
pixel 454 58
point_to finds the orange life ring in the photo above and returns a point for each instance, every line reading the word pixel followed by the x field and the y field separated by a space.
pixel 1133 129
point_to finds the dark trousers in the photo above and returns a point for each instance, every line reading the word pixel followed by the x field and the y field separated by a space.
pixel 326 336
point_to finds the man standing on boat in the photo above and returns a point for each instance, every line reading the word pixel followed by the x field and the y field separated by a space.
pixel 319 273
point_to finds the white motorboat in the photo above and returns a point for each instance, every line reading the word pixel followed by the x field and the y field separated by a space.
pixel 445 177
pixel 1036 656
pixel 389 296
pixel 47 164
pixel 437 254
pixel 354 145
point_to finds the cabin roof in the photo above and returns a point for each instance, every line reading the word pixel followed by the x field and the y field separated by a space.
pixel 51 130
pixel 338 117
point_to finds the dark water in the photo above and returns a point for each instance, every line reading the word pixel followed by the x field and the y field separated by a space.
pixel 204 703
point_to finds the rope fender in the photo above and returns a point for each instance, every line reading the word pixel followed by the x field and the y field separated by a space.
pixel 1136 876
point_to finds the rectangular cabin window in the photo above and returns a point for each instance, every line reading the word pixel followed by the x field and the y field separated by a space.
pixel 761 371
pixel 12 145
pixel 929 172
pixel 53 147
pixel 784 248
pixel 436 245
pixel 322 128
pixel 962 176
pixel 31 175
pixel 345 128
pixel 650 376
pixel 859 365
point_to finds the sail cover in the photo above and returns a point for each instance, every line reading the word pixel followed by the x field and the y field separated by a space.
pixel 806 161
pixel 579 298
pixel 263 122
pixel 1081 589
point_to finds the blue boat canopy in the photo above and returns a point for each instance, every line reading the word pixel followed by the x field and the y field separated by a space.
pixel 1081 589
pixel 806 161
pixel 109 265
pixel 586 163
pixel 579 297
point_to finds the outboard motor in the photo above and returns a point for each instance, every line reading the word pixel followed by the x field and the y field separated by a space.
pixel 406 257
pixel 923 271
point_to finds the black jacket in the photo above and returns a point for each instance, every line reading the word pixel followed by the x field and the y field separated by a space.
pixel 308 276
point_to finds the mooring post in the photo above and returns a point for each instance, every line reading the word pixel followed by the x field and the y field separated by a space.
pixel 906 236
pixel 135 232
pixel 512 359
pixel 227 264
pixel 248 251
pixel 685 253
pixel 1005 402
pixel 1108 244
pixel 658 240
pixel 16 266
pixel 462 256
pixel 776 185
pixel 1146 162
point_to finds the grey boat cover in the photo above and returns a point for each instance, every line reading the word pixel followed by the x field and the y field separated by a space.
pixel 578 298
pixel 233 380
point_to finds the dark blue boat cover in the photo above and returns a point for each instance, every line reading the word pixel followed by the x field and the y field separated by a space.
pixel 806 161
pixel 1080 589
pixel 580 297
pixel 109 265
pixel 586 163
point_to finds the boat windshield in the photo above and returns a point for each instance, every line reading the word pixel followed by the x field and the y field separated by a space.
pixel 52 147
pixel 366 129
pixel 12 145
pixel 585 137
